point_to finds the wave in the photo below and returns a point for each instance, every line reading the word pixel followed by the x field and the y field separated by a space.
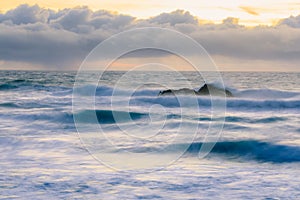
pixel 32 85
pixel 253 149
pixel 263 104
pixel 244 99
pixel 59 117
pixel 258 99
pixel 107 116
pixel 248 93
pixel 265 94
pixel 9 105
pixel 14 84
pixel 6 86
pixel 269 120
pixel 235 103
pixel 242 150
pixel 32 104
pixel 115 116
pixel 251 120
pixel 105 90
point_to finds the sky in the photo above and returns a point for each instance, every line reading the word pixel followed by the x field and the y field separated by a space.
pixel 251 12
pixel 238 35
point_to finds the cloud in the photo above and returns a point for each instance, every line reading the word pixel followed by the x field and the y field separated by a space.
pixel 82 20
pixel 175 17
pixel 61 39
pixel 249 10
pixel 25 14
pixel 271 43
pixel 291 21
pixel 55 39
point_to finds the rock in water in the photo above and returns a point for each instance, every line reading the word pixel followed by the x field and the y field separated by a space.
pixel 183 91
pixel 206 89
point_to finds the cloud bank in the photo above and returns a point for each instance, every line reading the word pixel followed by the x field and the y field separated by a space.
pixel 62 39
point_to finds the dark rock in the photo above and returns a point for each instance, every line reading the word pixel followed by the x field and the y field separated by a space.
pixel 206 89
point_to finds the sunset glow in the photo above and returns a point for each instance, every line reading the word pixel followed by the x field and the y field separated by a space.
pixel 250 13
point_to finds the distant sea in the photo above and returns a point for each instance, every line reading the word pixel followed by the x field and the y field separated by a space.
pixel 256 157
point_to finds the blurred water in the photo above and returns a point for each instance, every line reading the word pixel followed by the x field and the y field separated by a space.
pixel 258 155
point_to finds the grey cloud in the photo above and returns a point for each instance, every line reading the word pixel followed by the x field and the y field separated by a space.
pixel 83 20
pixel 45 47
pixel 25 14
pixel 55 39
pixel 291 21
pixel 175 17
pixel 62 39
pixel 270 43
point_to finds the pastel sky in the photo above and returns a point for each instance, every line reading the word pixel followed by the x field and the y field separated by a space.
pixel 247 35
pixel 250 12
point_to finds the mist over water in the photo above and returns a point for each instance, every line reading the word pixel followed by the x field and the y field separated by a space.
pixel 42 157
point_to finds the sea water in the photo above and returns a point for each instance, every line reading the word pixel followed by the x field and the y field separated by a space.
pixel 257 154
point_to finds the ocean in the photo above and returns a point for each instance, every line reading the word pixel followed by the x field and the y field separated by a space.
pixel 145 146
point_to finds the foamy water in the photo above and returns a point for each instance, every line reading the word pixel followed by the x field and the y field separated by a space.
pixel 42 157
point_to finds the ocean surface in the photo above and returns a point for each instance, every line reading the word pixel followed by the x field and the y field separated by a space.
pixel 256 156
